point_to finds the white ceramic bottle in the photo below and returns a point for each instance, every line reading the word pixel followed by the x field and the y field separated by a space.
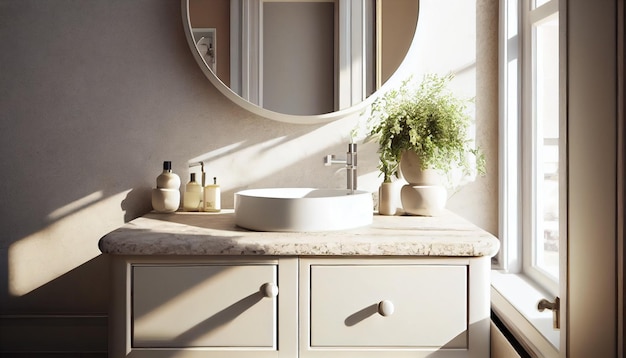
pixel 166 196
pixel 212 197
pixel 167 179
pixel 192 198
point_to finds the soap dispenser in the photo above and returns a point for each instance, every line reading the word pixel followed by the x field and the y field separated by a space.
pixel 212 197
pixel 166 195
pixel 167 179
pixel 193 195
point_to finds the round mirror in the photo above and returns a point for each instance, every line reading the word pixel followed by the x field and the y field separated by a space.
pixel 300 61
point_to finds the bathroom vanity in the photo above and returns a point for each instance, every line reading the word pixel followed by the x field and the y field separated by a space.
pixel 195 285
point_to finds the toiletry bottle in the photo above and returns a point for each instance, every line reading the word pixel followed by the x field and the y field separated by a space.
pixel 212 199
pixel 166 196
pixel 193 195
pixel 168 179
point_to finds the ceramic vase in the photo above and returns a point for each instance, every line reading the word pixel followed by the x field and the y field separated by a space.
pixel 166 195
pixel 411 170
pixel 389 199
pixel 165 200
pixel 424 195
pixel 423 200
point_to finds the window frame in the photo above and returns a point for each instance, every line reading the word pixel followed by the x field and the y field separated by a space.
pixel 512 276
pixel 514 130
pixel 531 17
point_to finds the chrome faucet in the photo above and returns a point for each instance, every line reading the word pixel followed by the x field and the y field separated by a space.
pixel 350 163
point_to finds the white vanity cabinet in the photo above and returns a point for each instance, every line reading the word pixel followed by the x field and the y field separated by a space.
pixel 300 307
pixel 191 285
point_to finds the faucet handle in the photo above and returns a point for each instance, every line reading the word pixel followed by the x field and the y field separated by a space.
pixel 330 159
pixel 351 155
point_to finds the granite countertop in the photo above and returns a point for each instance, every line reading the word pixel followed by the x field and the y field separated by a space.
pixel 186 233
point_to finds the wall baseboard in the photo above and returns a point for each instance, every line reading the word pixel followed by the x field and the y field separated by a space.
pixel 53 335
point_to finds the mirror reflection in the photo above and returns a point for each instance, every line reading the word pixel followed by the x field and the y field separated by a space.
pixel 303 57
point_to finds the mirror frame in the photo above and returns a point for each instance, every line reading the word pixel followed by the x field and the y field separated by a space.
pixel 282 117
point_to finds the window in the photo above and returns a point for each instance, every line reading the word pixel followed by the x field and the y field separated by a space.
pixel 540 144
pixel 533 149
pixel 532 145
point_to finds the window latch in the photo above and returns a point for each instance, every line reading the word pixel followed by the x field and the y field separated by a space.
pixel 555 307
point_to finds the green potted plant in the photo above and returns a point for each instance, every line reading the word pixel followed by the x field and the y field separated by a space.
pixel 422 133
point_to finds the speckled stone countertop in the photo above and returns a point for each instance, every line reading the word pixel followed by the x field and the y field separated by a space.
pixel 185 233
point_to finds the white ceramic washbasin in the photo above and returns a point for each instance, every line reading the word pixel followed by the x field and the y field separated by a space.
pixel 302 209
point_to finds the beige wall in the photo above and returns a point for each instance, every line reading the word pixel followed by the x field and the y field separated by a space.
pixel 94 95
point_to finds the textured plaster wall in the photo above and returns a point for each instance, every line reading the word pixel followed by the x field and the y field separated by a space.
pixel 94 95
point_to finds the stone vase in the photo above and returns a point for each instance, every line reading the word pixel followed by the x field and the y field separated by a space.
pixel 424 195
pixel 412 172
pixel 424 200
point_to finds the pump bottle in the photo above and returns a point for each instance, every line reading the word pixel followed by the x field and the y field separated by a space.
pixel 192 198
pixel 212 197
pixel 166 195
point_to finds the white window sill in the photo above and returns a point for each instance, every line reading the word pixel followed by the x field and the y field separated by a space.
pixel 514 300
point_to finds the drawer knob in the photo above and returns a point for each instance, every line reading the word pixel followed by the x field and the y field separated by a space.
pixel 385 308
pixel 269 290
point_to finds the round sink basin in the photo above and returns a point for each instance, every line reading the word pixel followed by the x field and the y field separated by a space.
pixel 302 209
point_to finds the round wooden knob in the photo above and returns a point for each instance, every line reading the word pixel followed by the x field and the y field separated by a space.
pixel 385 308
pixel 269 290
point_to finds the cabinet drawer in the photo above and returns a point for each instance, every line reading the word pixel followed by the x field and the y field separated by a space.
pixel 429 306
pixel 208 305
